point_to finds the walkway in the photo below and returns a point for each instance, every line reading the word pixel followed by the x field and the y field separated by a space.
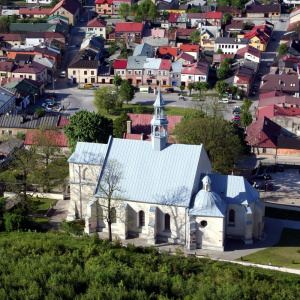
pixel 59 213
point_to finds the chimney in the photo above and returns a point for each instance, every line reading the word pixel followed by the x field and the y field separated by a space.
pixel 129 126
pixel 142 136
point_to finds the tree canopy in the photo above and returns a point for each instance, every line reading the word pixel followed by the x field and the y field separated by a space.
pixel 195 36
pixel 246 114
pixel 126 91
pixel 120 125
pixel 106 98
pixel 283 49
pixel 124 11
pixel 217 136
pixel 88 126
pixel 221 87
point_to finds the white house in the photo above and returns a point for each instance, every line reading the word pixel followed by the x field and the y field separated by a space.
pixel 230 45
pixel 162 192
pixel 96 27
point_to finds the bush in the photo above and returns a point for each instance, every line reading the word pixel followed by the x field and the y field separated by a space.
pixel 15 221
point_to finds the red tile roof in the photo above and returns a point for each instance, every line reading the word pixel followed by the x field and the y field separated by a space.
pixel 6 65
pixel 35 11
pixel 213 15
pixel 129 27
pixel 263 133
pixel 186 56
pixel 189 48
pixel 242 79
pixel 32 68
pixel 141 122
pixel 295 10
pixel 271 94
pixel 173 18
pixel 168 50
pixel 96 23
pixel 56 138
pixel 249 49
pixel 10 36
pixel 69 5
pixel 284 100
pixel 63 121
pixel 185 32
pixel 137 137
pixel 257 32
pixel 120 63
pixel 165 64
pixel 104 1
pixel 272 111
pixel 4 80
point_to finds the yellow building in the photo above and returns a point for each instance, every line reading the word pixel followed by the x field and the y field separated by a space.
pixel 67 8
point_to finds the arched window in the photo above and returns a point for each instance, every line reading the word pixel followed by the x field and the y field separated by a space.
pixel 113 215
pixel 231 216
pixel 141 218
pixel 84 173
pixel 167 222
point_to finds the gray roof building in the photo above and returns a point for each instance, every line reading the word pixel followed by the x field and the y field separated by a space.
pixel 144 49
pixel 136 62
pixel 227 40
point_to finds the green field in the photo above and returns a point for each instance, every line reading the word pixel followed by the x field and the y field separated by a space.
pixel 40 205
pixel 285 254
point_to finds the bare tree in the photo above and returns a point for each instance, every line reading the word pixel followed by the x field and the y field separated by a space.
pixel 109 186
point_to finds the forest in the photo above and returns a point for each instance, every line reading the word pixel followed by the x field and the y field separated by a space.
pixel 56 266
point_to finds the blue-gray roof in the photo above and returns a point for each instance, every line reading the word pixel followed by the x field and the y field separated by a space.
pixel 143 49
pixel 152 63
pixel 88 153
pixel 135 62
pixel 168 177
pixel 176 66
pixel 233 189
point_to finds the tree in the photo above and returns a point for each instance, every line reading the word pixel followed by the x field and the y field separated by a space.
pixel 190 87
pixel 201 87
pixel 165 15
pixel 124 11
pixel 182 88
pixel 89 127
pixel 117 80
pixel 194 10
pixel 246 114
pixel 220 51
pixel 120 125
pixel 221 87
pixel 227 17
pixel 106 98
pixel 217 136
pixel 126 91
pixel 109 185
pixel 147 10
pixel 221 73
pixel 113 47
pixel 283 49
pixel 195 36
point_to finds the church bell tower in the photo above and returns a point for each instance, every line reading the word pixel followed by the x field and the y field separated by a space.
pixel 159 134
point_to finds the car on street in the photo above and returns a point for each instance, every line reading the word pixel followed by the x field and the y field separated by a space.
pixel 264 176
pixel 224 100
pixel 268 186
pixel 48 108
pixel 62 74
pixel 88 85
pixel 270 169
pixel 255 87
pixel 252 93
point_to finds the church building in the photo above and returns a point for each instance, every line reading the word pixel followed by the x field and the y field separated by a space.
pixel 161 192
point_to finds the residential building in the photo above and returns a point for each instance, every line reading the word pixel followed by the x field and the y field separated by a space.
pixel 156 42
pixel 295 16
pixel 34 71
pixel 219 58
pixel 235 12
pixel 259 37
pixel 177 20
pixel 8 40
pixel 120 68
pixel 194 19
pixel 290 36
pixel 38 38
pixel 284 66
pixel 200 215
pixel 96 27
pixel 105 74
pixel 243 79
pixel 135 68
pixel 34 12
pixel 129 32
pixel 172 7
pixel 69 9
pixel 208 36
pixel 191 50
pixel 6 68
pixel 249 53
pixel 280 82
pixel 234 26
pixel 151 68
pixel 230 45
pixel 144 49
pixel 7 101
pixel 185 58
pixel 167 52
pixel 195 72
pixel 184 34
pixel 214 18
pixel 175 73
pixel 163 74
pixel 263 11
pixel 84 67
pixel 41 2
pixel 39 27
pixel 104 7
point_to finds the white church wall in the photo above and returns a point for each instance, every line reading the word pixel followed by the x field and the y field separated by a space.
pixel 258 218
pixel 210 236
pixel 236 228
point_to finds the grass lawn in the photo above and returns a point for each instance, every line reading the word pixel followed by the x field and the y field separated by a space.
pixel 285 254
pixel 42 221
pixel 284 214
pixel 147 109
pixel 42 204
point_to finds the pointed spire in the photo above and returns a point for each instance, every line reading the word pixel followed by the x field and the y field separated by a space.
pixel 159 102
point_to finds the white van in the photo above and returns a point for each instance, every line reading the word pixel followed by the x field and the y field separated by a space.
pixel 224 100
pixel 144 89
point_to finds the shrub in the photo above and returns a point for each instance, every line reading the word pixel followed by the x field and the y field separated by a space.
pixel 15 221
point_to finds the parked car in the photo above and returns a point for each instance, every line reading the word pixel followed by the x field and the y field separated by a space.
pixel 280 168
pixel 88 85
pixel 181 97
pixel 50 101
pixel 224 100
pixel 268 186
pixel 255 87
pixel 252 93
pixel 270 169
pixel 264 176
pixel 49 107
pixel 62 74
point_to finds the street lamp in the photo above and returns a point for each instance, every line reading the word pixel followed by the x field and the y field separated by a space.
pixel 53 85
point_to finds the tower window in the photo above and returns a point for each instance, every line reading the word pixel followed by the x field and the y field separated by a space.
pixel 231 216
pixel 141 218
pixel 167 222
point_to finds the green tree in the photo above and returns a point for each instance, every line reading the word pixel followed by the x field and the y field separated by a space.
pixel 113 47
pixel 165 15
pixel 219 51
pixel 106 98
pixel 217 136
pixel 283 49
pixel 120 125
pixel 221 73
pixel 221 87
pixel 227 17
pixel 194 10
pixel 182 88
pixel 117 80
pixel 138 109
pixel 246 114
pixel 126 91
pixel 89 127
pixel 134 9
pixel 190 87
pixel 201 87
pixel 124 11
pixel 195 36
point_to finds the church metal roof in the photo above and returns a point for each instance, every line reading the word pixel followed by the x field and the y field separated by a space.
pixel 88 153
pixel 167 177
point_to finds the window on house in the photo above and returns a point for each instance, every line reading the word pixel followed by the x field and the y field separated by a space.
pixel 118 72
pixel 74 72
pixel 92 72
pixel 231 216
pixel 21 76
pixel 30 77
pixel 113 215
pixel 264 150
pixel 159 72
pixel 167 222
pixel 85 72
pixel 141 218
pixel 123 72
pixel 129 72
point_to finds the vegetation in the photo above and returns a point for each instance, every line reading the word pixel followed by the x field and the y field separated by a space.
pixel 124 11
pixel 227 18
pixel 221 87
pixel 126 91
pixel 283 49
pixel 194 10
pixel 239 4
pixel 146 10
pixel 216 134
pixel 120 125
pixel 246 114
pixel 286 253
pixel 87 126
pixel 195 36
pixel 117 80
pixel 224 70
pixel 106 98
pixel 38 266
